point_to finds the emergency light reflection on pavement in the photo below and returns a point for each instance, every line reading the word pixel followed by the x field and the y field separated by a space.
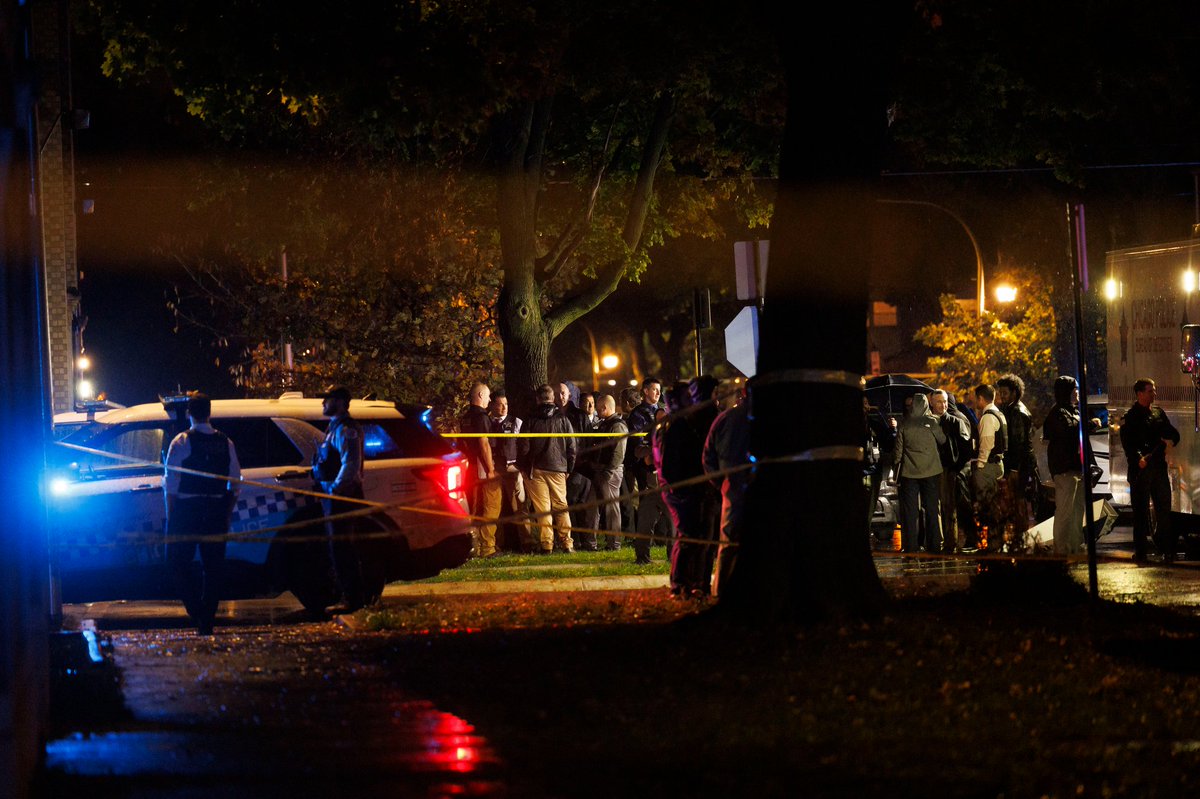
pixel 229 716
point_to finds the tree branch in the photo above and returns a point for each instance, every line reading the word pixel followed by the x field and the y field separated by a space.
pixel 652 151
pixel 609 277
pixel 569 239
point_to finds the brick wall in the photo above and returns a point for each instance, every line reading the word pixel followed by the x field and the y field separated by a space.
pixel 56 191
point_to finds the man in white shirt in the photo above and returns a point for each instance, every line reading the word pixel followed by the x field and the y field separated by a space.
pixel 988 466
pixel 198 510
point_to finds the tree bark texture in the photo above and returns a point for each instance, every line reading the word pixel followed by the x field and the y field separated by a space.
pixel 805 551
pixel 525 326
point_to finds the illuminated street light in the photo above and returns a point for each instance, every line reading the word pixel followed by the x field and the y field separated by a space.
pixel 609 361
pixel 84 363
pixel 1189 280
pixel 1006 293
pixel 86 390
pixel 1112 289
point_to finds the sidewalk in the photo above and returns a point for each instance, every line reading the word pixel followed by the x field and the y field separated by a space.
pixel 633 582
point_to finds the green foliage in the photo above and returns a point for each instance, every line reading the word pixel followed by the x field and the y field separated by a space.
pixel 391 289
pixel 1017 338
pixel 453 85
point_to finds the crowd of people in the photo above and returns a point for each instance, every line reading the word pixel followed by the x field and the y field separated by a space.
pixel 558 490
pixel 966 473
pixel 968 476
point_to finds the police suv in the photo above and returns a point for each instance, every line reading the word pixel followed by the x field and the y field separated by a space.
pixel 107 513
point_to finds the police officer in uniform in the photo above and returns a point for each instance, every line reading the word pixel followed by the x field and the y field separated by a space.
pixel 199 508
pixel 1145 433
pixel 338 470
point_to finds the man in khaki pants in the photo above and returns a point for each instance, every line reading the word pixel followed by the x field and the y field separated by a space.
pixel 485 489
pixel 546 461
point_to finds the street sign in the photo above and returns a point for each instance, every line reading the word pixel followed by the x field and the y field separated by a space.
pixel 750 268
pixel 741 341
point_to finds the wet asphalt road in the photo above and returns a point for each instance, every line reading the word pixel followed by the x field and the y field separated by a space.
pixel 277 705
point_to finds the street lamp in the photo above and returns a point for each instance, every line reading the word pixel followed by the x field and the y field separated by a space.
pixel 609 361
pixel 1005 293
pixel 974 245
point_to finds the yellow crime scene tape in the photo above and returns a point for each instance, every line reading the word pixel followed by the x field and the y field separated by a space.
pixel 531 518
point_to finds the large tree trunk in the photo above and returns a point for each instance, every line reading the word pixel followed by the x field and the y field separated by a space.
pixel 805 551
pixel 526 340
pixel 519 140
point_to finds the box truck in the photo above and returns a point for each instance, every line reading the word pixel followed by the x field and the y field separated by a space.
pixel 1151 294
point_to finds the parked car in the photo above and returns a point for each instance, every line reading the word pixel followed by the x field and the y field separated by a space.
pixel 108 513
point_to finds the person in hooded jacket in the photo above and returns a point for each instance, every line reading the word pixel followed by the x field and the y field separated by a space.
pixel 546 462
pixel 918 463
pixel 1063 459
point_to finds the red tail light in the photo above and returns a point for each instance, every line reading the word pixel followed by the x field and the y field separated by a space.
pixel 454 479
pixel 451 477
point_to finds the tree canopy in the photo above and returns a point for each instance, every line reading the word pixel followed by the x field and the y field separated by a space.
pixel 599 130
pixel 1017 338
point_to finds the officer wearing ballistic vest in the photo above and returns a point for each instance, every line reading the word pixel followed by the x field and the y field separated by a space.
pixel 199 505
pixel 338 470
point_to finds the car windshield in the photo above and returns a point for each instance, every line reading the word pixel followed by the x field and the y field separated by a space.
pixel 130 446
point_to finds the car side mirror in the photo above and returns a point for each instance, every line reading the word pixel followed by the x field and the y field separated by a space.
pixel 1189 350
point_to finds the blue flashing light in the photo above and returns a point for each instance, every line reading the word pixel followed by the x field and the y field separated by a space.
pixel 60 486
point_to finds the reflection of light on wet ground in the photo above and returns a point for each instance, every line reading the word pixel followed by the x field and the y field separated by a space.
pixel 450 742
pixel 422 739
pixel 291 710
pixel 1127 582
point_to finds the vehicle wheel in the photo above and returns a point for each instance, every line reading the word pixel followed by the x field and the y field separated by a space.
pixel 309 575
pixel 378 556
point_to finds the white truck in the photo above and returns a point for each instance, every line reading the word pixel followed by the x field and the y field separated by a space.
pixel 1150 294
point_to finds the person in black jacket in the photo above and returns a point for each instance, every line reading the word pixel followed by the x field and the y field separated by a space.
pixel 653 519
pixel 679 446
pixel 1061 431
pixel 546 462
pixel 483 487
pixel 579 481
pixel 1020 463
pixel 197 507
pixel 877 459
pixel 512 535
pixel 1145 434
pixel 608 469
pixel 955 454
